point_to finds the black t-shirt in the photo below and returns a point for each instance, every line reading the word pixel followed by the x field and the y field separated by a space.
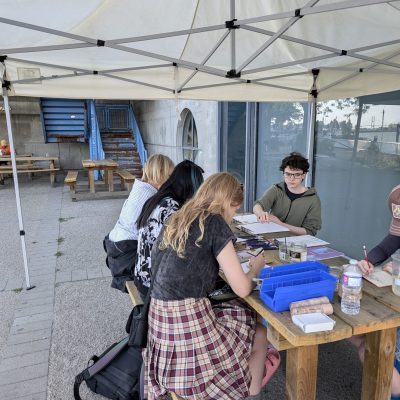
pixel 193 276
pixel 292 196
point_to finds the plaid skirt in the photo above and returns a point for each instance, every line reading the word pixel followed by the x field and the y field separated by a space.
pixel 199 351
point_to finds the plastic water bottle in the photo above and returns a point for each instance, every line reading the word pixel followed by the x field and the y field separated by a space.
pixel 351 289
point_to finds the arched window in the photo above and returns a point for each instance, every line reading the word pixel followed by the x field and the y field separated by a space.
pixel 190 144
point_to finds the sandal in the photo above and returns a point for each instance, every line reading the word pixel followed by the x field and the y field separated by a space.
pixel 271 364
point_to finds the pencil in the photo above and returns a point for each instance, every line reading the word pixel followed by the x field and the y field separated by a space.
pixel 259 252
pixel 365 254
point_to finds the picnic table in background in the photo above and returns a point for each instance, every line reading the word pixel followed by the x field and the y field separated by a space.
pixel 107 165
pixel 378 319
pixel 30 164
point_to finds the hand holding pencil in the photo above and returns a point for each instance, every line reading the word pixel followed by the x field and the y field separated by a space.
pixel 365 266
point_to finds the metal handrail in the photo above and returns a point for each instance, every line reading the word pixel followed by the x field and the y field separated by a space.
pixel 95 145
pixel 138 137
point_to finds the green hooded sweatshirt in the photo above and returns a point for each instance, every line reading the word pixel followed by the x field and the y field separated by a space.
pixel 304 212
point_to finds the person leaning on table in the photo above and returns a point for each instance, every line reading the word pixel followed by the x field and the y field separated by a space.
pixel 376 256
pixel 290 203
pixel 121 243
pixel 195 349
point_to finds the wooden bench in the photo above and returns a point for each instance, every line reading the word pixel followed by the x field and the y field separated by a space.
pixel 70 180
pixel 137 300
pixel 127 178
pixel 28 169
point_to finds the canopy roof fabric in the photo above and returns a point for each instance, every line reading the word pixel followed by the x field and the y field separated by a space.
pixel 258 50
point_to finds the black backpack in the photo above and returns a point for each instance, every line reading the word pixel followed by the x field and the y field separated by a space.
pixel 115 374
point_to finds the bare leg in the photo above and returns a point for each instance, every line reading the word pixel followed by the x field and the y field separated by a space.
pixel 257 359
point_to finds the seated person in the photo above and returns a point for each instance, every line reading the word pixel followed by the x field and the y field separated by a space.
pixel 179 187
pixel 380 253
pixel 4 148
pixel 121 243
pixel 195 349
pixel 289 203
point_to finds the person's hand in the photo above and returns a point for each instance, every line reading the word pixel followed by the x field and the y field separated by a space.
pixel 263 217
pixel 273 218
pixel 257 263
pixel 388 267
pixel 365 267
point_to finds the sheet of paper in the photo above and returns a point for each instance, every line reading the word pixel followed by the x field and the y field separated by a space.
pixel 379 278
pixel 245 267
pixel 308 240
pixel 245 219
pixel 259 228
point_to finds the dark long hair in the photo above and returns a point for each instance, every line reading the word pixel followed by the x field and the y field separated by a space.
pixel 185 179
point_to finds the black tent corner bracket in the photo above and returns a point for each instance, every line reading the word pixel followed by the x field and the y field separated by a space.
pixel 314 93
pixel 3 58
pixel 233 74
pixel 6 85
pixel 231 24
pixel 101 43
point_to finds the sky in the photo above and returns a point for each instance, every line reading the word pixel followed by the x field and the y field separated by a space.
pixel 372 118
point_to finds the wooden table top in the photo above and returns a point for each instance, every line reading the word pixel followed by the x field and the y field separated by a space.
pixel 100 164
pixel 380 309
pixel 28 158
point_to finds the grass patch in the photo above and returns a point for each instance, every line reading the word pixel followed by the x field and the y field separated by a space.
pixel 60 240
pixel 59 254
pixel 18 290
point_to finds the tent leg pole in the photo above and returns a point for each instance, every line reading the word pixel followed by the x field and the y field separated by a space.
pixel 16 186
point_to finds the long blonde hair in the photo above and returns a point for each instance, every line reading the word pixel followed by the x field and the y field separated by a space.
pixel 215 196
pixel 157 169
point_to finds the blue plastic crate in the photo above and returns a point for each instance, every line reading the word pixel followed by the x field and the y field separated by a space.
pixel 295 268
pixel 279 291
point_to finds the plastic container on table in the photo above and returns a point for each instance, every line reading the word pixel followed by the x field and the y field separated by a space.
pixel 279 291
pixel 286 269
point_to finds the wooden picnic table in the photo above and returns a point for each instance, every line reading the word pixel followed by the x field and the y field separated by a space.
pixel 108 165
pixel 378 319
pixel 30 164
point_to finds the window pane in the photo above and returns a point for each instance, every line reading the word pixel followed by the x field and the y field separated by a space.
pixel 355 169
pixel 282 128
pixel 233 138
pixel 189 138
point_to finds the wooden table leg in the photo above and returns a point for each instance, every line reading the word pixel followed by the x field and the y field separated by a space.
pixel 91 180
pixel 110 181
pixel 378 364
pixel 52 174
pixel 301 373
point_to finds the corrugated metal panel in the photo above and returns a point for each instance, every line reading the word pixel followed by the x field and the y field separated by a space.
pixel 64 120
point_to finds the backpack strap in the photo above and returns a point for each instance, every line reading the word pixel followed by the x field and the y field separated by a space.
pixel 78 380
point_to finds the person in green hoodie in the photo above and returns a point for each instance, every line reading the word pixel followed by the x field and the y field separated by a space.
pixel 290 203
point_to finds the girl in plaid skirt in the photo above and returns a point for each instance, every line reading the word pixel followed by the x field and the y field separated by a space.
pixel 194 349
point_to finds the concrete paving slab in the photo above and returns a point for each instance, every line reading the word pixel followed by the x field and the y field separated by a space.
pixel 24 360
pixel 14 283
pixel 24 374
pixel 14 350
pixel 29 336
pixel 78 275
pixel 26 388
pixel 32 326
pixel 32 310
pixel 46 316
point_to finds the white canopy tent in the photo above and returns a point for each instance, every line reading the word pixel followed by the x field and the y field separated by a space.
pixel 258 50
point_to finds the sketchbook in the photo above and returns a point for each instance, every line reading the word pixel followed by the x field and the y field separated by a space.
pixel 259 228
pixel 322 253
pixel 245 219
pixel 379 277
pixel 308 240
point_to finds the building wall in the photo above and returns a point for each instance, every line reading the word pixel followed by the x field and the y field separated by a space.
pixel 28 134
pixel 161 123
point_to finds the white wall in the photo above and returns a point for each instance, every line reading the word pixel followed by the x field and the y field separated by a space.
pixel 160 125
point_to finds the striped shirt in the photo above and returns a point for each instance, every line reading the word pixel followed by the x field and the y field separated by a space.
pixel 125 228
